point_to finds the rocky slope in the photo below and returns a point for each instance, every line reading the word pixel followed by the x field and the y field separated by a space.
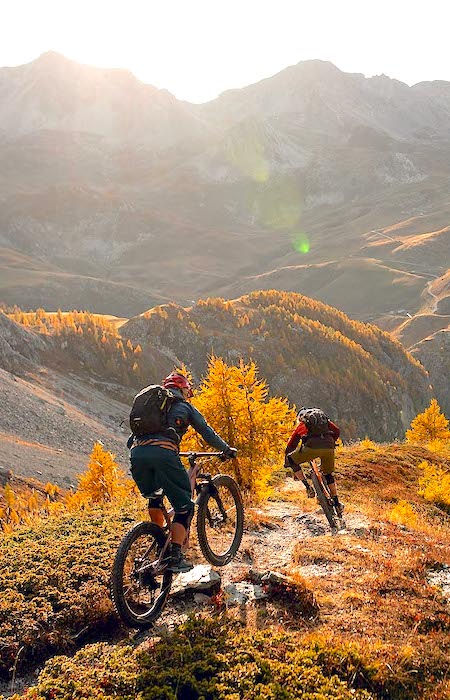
pixel 55 405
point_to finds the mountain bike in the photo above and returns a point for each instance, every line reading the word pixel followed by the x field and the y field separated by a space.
pixel 335 519
pixel 140 580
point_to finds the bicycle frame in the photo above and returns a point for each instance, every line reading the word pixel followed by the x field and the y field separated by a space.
pixel 193 474
pixel 315 467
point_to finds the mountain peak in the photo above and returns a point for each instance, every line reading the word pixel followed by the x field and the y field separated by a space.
pixel 51 58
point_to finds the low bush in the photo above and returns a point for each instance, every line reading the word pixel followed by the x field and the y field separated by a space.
pixel 215 659
pixel 54 581
pixel 207 660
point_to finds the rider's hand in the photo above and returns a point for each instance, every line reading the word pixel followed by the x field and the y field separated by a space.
pixel 230 453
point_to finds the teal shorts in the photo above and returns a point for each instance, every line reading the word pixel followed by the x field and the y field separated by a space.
pixel 154 468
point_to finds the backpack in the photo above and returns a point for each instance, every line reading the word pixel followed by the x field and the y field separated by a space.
pixel 315 420
pixel 149 412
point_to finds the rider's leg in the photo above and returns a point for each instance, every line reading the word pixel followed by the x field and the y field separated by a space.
pixel 153 468
pixel 296 458
pixel 154 508
pixel 327 468
pixel 176 485
pixel 180 525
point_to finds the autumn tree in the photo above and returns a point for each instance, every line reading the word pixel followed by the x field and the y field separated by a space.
pixel 429 425
pixel 236 403
pixel 103 480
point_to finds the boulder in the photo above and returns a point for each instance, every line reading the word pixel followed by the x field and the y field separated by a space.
pixel 201 578
pixel 5 476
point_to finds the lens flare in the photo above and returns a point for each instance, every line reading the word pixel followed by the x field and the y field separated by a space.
pixel 245 150
pixel 277 204
pixel 301 243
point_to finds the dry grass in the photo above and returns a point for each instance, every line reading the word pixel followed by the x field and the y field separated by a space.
pixel 374 591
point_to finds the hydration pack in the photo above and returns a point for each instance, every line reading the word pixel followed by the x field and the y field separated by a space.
pixel 315 420
pixel 149 412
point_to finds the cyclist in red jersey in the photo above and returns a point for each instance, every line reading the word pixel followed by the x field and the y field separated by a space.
pixel 314 436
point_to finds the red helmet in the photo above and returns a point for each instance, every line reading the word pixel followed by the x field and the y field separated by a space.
pixel 175 380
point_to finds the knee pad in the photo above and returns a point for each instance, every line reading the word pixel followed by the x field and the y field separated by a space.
pixel 155 500
pixel 329 478
pixel 184 517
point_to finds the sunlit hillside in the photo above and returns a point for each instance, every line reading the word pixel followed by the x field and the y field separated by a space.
pixel 308 351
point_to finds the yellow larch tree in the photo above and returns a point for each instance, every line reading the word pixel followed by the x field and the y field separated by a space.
pixel 237 405
pixel 103 480
pixel 429 426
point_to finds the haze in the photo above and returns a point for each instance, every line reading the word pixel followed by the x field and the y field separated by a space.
pixel 198 49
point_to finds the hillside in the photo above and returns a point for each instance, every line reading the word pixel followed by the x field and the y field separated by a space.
pixel 310 167
pixel 73 375
pixel 434 353
pixel 61 390
pixel 364 614
pixel 309 352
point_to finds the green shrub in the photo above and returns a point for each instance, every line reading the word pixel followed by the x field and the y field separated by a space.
pixel 54 581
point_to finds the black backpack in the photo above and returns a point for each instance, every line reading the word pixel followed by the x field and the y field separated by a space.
pixel 149 412
pixel 315 420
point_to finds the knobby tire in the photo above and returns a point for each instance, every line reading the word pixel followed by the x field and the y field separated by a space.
pixel 323 500
pixel 139 615
pixel 207 504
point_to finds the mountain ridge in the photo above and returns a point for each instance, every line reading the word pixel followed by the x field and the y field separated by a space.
pixel 306 167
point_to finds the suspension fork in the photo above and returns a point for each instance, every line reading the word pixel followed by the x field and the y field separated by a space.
pixel 208 484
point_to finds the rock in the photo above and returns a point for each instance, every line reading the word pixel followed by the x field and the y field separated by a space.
pixel 202 598
pixel 243 592
pixel 5 476
pixel 441 579
pixel 201 578
pixel 296 595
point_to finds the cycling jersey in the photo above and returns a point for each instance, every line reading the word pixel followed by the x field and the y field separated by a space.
pixel 314 441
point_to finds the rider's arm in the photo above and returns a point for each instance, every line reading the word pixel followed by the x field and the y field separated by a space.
pixel 299 432
pixel 334 430
pixel 204 429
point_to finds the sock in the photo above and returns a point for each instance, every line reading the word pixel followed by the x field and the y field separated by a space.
pixel 336 501
pixel 175 550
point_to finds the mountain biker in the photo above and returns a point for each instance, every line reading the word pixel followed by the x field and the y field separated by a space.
pixel 156 466
pixel 306 444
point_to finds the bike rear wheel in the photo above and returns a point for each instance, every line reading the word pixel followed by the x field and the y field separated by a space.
pixel 220 520
pixel 324 502
pixel 138 595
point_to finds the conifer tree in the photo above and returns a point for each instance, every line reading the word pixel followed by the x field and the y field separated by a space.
pixel 103 480
pixel 429 425
pixel 236 403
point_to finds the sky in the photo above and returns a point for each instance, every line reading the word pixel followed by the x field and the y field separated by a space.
pixel 196 49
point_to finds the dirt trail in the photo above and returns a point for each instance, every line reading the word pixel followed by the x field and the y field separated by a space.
pixel 266 546
pixel 270 535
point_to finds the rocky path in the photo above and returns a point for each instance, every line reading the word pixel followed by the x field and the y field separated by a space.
pixel 271 533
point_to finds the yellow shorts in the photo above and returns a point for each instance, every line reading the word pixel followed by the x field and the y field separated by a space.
pixel 305 454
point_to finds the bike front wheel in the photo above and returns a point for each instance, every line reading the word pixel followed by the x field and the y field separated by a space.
pixel 220 520
pixel 139 595
pixel 324 502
